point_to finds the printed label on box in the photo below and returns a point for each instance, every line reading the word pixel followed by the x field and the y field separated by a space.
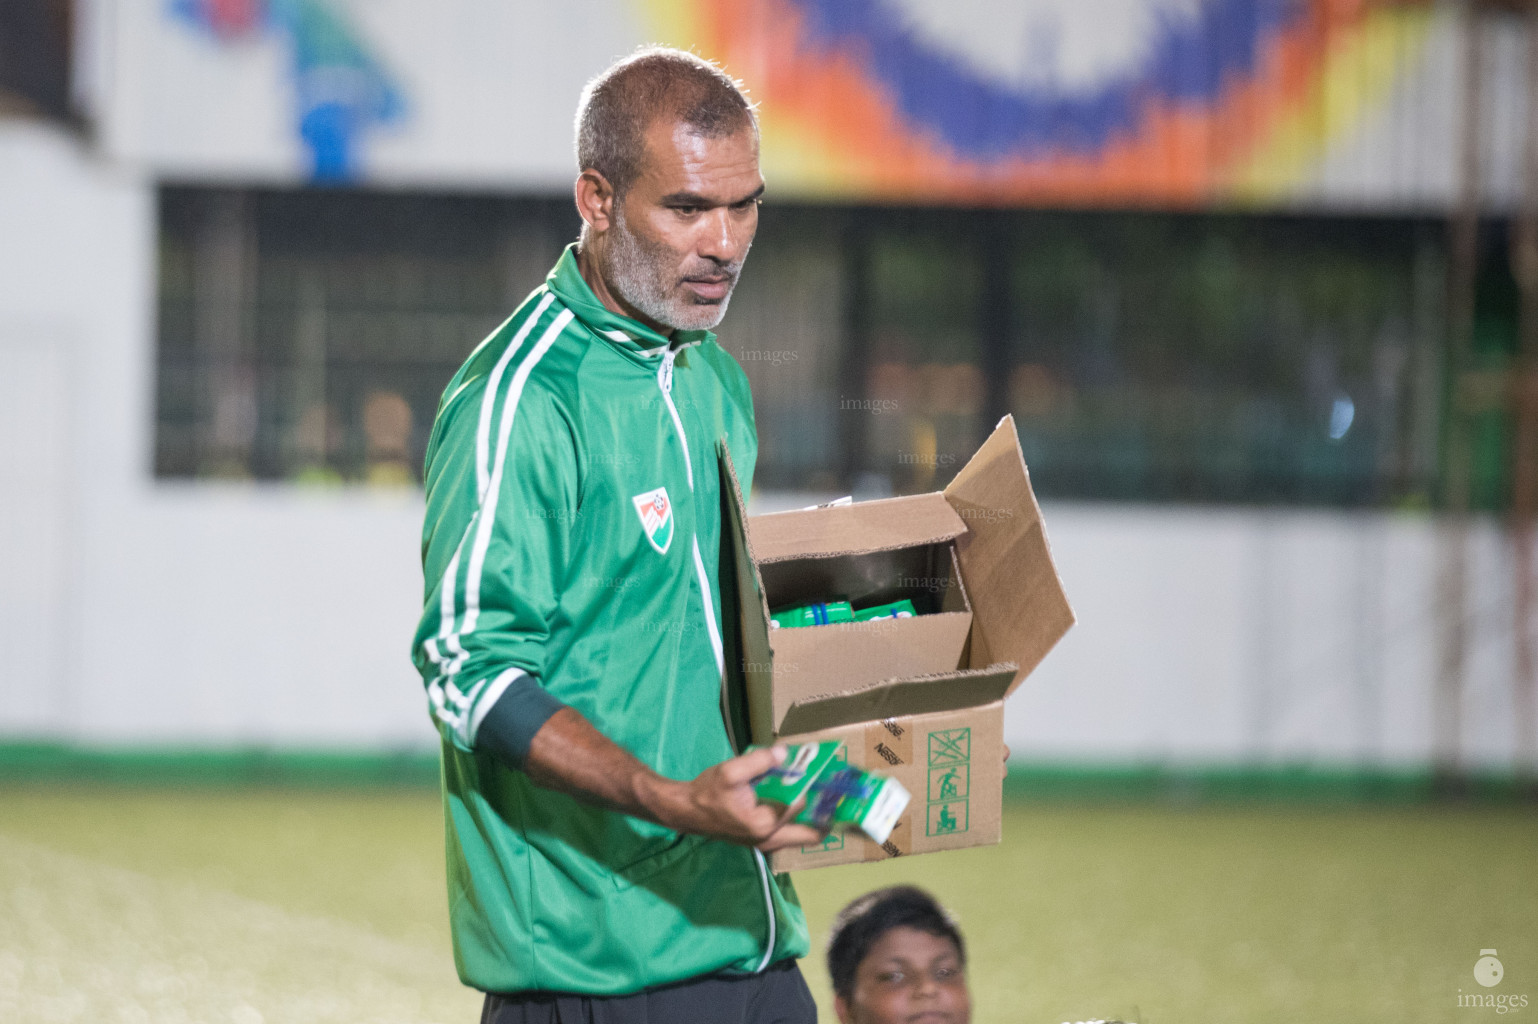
pixel 950 782
pixel 950 746
pixel 833 841
pixel 947 818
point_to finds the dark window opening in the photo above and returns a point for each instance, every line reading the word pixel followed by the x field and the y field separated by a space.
pixel 307 336
pixel 35 45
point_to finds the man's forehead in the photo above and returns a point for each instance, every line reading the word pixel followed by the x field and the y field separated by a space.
pixel 678 158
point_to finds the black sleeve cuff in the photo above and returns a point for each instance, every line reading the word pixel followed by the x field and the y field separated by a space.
pixel 509 727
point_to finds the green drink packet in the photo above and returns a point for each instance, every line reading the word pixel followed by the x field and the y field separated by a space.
pixel 902 609
pixel 837 796
pixel 820 614
pixel 844 797
pixel 788 781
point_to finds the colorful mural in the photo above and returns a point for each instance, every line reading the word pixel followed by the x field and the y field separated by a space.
pixel 1228 101
pixel 340 86
pixel 1306 104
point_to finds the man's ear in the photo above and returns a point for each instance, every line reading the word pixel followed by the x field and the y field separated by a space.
pixel 595 200
pixel 841 1008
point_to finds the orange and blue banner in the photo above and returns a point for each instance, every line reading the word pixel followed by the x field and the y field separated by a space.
pixel 1216 101
pixel 1108 103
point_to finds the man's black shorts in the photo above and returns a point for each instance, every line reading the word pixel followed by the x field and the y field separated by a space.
pixel 777 996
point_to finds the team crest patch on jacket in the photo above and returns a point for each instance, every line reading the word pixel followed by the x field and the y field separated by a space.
pixel 656 514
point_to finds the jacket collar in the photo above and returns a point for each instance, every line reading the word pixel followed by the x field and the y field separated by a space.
pixel 630 336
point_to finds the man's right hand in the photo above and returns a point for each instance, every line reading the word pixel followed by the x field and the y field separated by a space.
pixel 569 755
pixel 720 803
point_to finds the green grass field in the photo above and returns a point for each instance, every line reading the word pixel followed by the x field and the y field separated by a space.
pixel 249 906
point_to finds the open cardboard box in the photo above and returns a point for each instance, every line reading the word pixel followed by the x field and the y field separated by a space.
pixel 920 699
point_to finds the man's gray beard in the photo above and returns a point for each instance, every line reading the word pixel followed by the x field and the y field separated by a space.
pixel 640 271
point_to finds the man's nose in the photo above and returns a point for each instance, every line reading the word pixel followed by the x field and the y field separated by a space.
pixel 723 236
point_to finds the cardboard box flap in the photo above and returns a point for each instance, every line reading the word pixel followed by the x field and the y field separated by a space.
pixel 882 525
pixel 1019 608
pixel 755 671
pixel 949 691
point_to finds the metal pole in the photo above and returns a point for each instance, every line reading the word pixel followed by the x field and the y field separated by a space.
pixel 995 237
pixel 1452 589
pixel 223 288
pixel 1524 469
pixel 854 355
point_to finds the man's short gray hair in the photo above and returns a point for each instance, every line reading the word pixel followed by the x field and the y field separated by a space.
pixel 619 105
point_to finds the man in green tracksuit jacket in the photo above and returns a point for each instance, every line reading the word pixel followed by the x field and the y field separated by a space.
pixel 604 845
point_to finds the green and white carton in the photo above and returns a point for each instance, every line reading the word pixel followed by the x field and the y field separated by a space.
pixel 837 796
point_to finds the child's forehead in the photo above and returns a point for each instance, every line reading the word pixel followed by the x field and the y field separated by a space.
pixel 905 942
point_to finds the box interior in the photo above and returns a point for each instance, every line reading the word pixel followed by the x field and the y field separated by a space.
pixel 928 575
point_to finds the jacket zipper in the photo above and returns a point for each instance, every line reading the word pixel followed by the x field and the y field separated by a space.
pixel 665 385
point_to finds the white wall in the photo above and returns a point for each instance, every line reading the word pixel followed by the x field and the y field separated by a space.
pixel 490 89
pixel 75 241
pixel 136 611
pixel 1224 635
pixel 140 612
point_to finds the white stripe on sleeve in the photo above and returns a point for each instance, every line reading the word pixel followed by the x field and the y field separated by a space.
pixel 488 512
pixel 489 398
pixel 486 701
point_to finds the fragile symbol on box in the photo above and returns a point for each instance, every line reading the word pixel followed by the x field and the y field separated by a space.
pixel 947 818
pixel 949 782
pixel 952 746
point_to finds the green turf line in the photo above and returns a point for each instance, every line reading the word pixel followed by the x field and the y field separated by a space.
pixel 1303 784
pixel 57 763
pixel 201 767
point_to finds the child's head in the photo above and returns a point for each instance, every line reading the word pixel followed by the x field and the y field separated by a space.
pixel 896 956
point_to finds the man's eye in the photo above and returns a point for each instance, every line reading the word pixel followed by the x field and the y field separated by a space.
pixel 686 211
pixel 891 978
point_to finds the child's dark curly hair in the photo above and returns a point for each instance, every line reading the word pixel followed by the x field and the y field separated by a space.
pixel 861 925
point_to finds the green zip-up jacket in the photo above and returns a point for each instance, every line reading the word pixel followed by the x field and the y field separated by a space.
pixel 571 554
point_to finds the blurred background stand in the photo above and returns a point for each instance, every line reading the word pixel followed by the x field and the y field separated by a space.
pixel 1254 279
pixel 1513 389
pixel 1257 279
